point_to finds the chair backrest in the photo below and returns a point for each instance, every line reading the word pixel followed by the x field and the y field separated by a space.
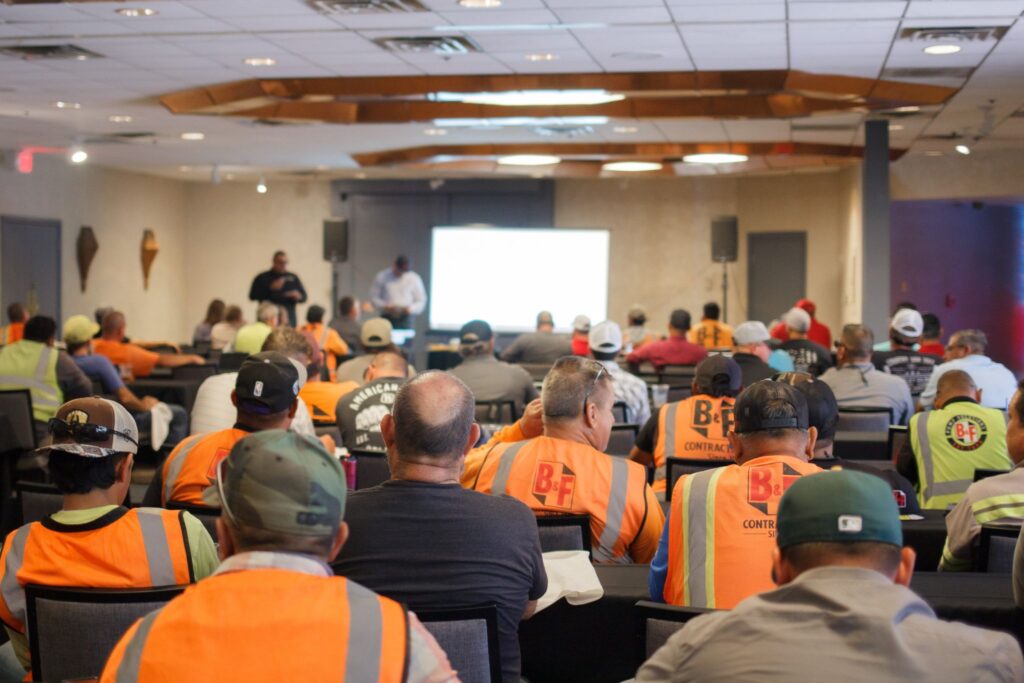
pixel 619 411
pixel 677 467
pixel 564 532
pixel 996 548
pixel 73 630
pixel 196 372
pixel 230 362
pixel 861 445
pixel 677 375
pixel 676 394
pixel 16 405
pixel 980 474
pixel 37 501
pixel 660 621
pixel 469 636
pixel 898 436
pixel 622 438
pixel 864 419
pixel 501 411
pixel 371 468
pixel 208 516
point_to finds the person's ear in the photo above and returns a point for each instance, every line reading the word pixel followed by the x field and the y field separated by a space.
pixel 782 571
pixel 292 409
pixel 123 473
pixel 234 398
pixel 905 571
pixel 812 438
pixel 474 436
pixel 225 543
pixel 735 445
pixel 590 413
pixel 339 541
pixel 977 396
pixel 387 430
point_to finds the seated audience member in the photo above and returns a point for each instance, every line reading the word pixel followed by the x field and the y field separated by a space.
pixel 902 361
pixel 330 342
pixel 361 410
pixel 636 333
pixel 857 383
pixel 751 351
pixel 542 346
pixel 223 333
pixel 605 342
pixel 266 397
pixel 711 333
pixel 732 508
pixel 94 541
pixel 807 356
pixel 51 376
pixel 213 410
pixel 949 442
pixel 823 415
pixel 203 333
pixel 580 335
pixel 346 323
pixel 696 427
pixel 560 467
pixel 817 331
pixel 78 334
pixel 886 345
pixel 672 351
pixel 250 338
pixel 993 500
pixel 322 397
pixel 842 610
pixel 273 611
pixel 418 535
pixel 15 327
pixel 112 344
pixel 966 351
pixel 375 337
pixel 931 337
pixel 487 377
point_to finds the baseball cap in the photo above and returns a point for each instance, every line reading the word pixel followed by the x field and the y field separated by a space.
pixel 797 319
pixel 268 382
pixel 750 332
pixel 838 506
pixel 93 428
pixel 545 318
pixel 605 337
pixel 807 305
pixel 281 481
pixel 78 329
pixel 751 412
pixel 581 323
pixel 822 408
pixel 475 331
pixel 375 332
pixel 718 372
pixel 907 322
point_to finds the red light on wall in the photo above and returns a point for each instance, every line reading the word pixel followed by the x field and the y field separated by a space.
pixel 24 161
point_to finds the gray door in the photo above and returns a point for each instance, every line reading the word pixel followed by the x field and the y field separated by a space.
pixel 776 272
pixel 30 250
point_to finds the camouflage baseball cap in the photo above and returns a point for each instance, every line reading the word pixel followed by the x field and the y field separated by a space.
pixel 283 482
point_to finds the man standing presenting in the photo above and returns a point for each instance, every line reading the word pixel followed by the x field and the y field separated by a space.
pixel 279 286
pixel 399 294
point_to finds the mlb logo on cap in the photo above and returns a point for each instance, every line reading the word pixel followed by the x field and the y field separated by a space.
pixel 851 524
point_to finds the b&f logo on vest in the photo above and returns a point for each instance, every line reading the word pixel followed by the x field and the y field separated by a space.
pixel 765 486
pixel 966 433
pixel 554 485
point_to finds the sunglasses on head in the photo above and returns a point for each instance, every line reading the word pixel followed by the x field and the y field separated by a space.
pixel 84 431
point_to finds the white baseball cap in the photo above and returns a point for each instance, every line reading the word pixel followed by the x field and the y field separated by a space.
pixel 797 319
pixel 908 323
pixel 750 332
pixel 581 323
pixel 605 337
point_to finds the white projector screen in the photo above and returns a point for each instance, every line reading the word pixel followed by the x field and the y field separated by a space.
pixel 507 275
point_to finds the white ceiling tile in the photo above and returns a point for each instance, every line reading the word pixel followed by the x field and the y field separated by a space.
pixel 835 32
pixel 692 130
pixel 534 16
pixel 757 130
pixel 630 38
pixel 411 20
pixel 615 15
pixel 377 60
pixel 863 68
pixel 565 60
pixel 42 13
pixel 506 6
pixel 670 60
pixel 761 11
pixel 563 4
pixel 304 22
pixel 846 10
pixel 837 53
pixel 247 8
pixel 525 41
pixel 362 69
pixel 774 59
pixel 166 10
pixel 823 137
pixel 731 36
pixel 943 9
pixel 307 44
pixel 76 28
pixel 187 26
pixel 956 23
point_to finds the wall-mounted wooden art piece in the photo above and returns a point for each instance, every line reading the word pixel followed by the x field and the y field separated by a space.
pixel 86 248
pixel 150 248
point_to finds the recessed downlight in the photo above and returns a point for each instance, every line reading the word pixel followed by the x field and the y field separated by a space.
pixel 531 98
pixel 135 12
pixel 78 156
pixel 480 4
pixel 259 61
pixel 625 130
pixel 895 126
pixel 529 160
pixel 715 158
pixel 435 131
pixel 541 57
pixel 192 137
pixel 909 109
pixel 64 104
pixel 963 149
pixel 632 166
pixel 942 49
pixel 119 118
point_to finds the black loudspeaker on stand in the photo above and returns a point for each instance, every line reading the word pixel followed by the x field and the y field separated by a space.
pixel 724 249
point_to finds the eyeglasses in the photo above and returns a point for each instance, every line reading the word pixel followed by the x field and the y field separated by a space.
pixel 84 431
pixel 593 383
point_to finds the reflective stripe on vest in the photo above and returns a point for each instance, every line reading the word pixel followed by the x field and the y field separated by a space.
pixel 174 468
pixel 131 663
pixel 157 545
pixel 614 514
pixel 931 488
pixel 699 549
pixel 364 642
pixel 504 468
pixel 14 594
pixel 670 432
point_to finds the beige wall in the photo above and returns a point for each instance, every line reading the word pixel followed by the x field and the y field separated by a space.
pixel 985 173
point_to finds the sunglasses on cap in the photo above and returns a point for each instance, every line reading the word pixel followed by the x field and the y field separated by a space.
pixel 84 431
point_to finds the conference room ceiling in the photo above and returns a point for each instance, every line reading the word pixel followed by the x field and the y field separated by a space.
pixel 192 44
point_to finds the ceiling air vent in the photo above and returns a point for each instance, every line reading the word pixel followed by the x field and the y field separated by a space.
pixel 348 7
pixel 961 34
pixel 563 131
pixel 438 45
pixel 65 51
pixel 951 72
pixel 117 138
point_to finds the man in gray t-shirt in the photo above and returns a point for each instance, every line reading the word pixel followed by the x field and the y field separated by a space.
pixel 359 412
pixel 542 346
pixel 487 377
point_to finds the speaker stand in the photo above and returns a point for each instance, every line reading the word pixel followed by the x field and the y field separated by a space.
pixel 725 290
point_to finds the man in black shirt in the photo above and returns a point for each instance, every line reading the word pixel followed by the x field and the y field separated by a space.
pixel 279 286
pixel 752 351
pixel 913 367
pixel 360 411
pixel 809 357
pixel 423 540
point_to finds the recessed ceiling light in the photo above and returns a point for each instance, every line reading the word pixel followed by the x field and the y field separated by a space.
pixel 81 58
pixel 261 186
pixel 61 104
pixel 480 4
pixel 259 61
pixel 531 98
pixel 895 126
pixel 541 57
pixel 625 130
pixel 134 12
pixel 119 118
pixel 435 131
pixel 910 109
pixel 529 160
pixel 192 136
pixel 632 166
pixel 933 153
pixel 942 49
pixel 715 158
pixel 963 149
pixel 78 156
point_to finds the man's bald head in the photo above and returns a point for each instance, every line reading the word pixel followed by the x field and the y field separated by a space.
pixel 433 415
pixel 113 325
pixel 955 384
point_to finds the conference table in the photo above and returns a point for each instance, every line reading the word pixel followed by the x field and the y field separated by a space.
pixel 180 391
pixel 603 641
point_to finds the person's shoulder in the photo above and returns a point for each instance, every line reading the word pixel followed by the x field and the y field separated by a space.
pixel 968 640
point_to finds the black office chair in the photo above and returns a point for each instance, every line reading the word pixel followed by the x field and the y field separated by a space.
pixel 371 468
pixel 622 438
pixel 659 621
pixel 980 473
pixel 864 419
pixel 231 362
pixel 73 630
pixel 37 501
pixel 676 375
pixel 898 435
pixel 469 636
pixel 619 411
pixel 194 372
pixel 861 445
pixel 207 515
pixel 501 411
pixel 16 406
pixel 996 548
pixel 677 467
pixel 564 532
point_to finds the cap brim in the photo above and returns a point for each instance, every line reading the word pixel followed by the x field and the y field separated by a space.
pixel 84 450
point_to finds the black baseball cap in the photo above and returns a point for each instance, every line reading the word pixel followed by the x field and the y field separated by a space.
pixel 475 331
pixel 752 415
pixel 718 372
pixel 268 382
pixel 822 408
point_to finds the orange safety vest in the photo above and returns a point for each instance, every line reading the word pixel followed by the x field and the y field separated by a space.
pixel 12 333
pixel 267 625
pixel 722 531
pixel 137 548
pixel 559 476
pixel 695 427
pixel 321 398
pixel 321 333
pixel 192 466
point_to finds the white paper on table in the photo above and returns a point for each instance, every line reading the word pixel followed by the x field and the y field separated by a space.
pixel 160 425
pixel 570 576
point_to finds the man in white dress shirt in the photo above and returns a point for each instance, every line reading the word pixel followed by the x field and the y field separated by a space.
pixel 398 294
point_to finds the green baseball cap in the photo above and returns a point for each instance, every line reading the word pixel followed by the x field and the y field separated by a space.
pixel 838 506
pixel 284 482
